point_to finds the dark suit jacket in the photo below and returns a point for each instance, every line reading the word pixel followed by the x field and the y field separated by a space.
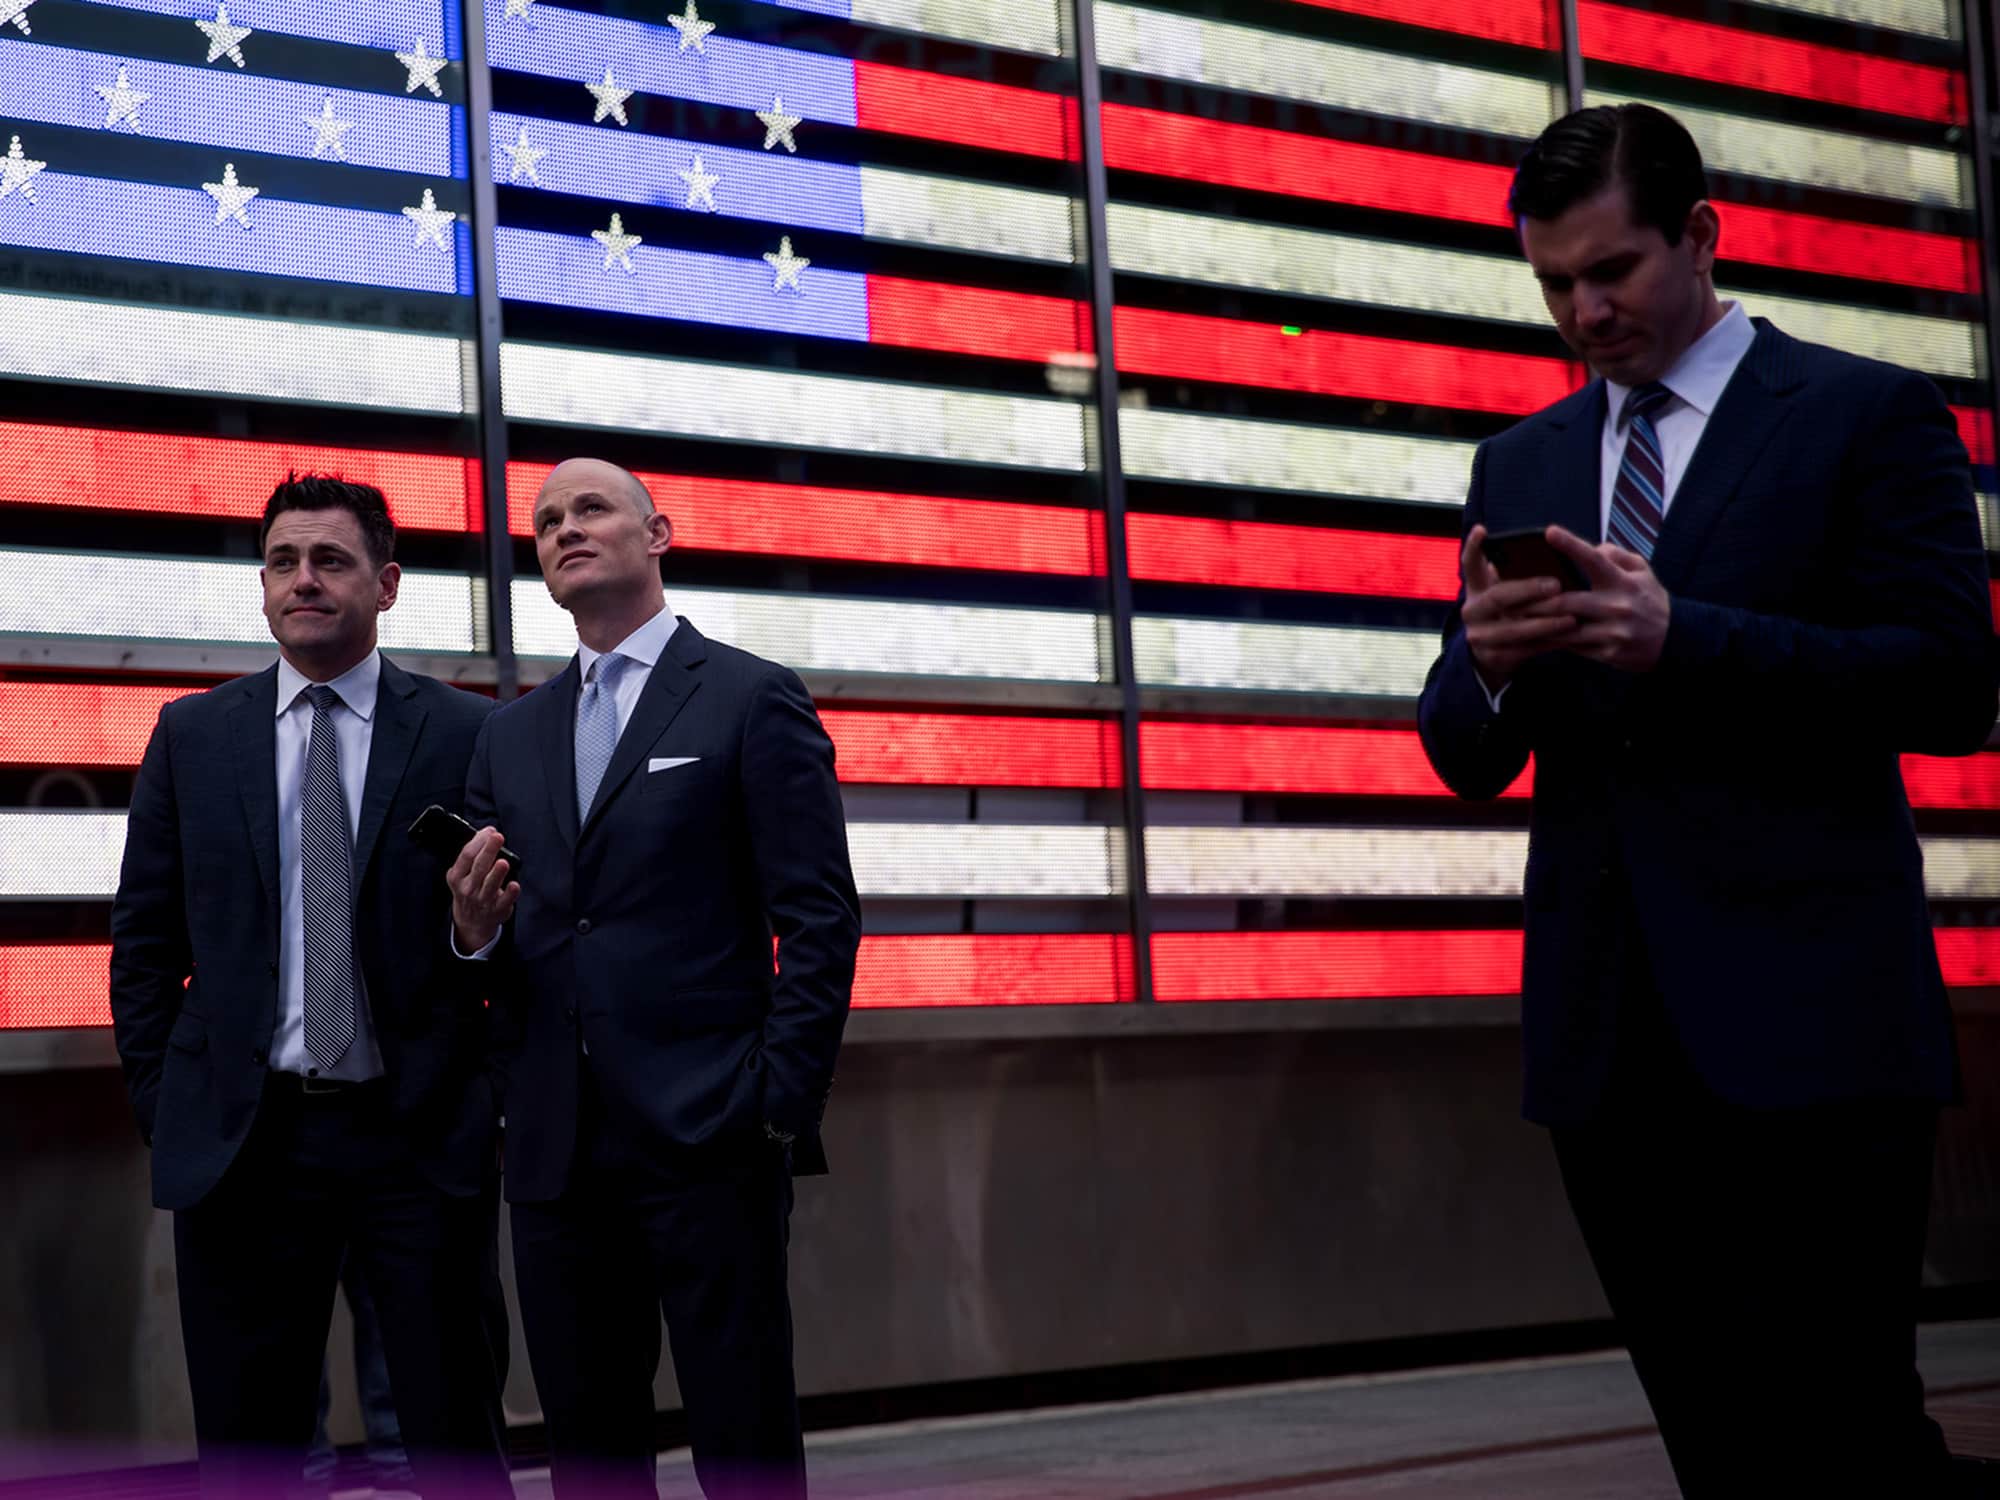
pixel 1739 811
pixel 194 931
pixel 647 933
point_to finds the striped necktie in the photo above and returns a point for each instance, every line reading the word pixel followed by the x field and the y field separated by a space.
pixel 326 889
pixel 1639 499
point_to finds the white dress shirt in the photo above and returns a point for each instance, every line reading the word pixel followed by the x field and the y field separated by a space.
pixel 1697 379
pixel 642 649
pixel 353 720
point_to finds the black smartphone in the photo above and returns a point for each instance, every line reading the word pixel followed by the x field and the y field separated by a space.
pixel 1528 554
pixel 446 834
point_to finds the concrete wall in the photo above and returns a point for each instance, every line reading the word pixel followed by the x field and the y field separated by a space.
pixel 1201 1183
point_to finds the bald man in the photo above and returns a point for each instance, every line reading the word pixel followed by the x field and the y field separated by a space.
pixel 673 805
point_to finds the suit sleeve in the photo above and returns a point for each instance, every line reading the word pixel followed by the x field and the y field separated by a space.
pixel 798 838
pixel 1476 749
pixel 1914 655
pixel 151 958
pixel 492 977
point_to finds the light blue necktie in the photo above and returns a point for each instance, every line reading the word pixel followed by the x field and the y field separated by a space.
pixel 596 728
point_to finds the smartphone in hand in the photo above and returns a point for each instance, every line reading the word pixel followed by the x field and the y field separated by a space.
pixel 1528 554
pixel 445 834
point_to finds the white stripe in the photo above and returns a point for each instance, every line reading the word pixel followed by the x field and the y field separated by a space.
pixel 986 859
pixel 1925 17
pixel 1023 25
pixel 74 856
pixel 1280 66
pixel 831 634
pixel 1383 273
pixel 1192 448
pixel 117 343
pixel 953 213
pixel 1260 657
pixel 1818 158
pixel 1280 861
pixel 1989 520
pixel 198 600
pixel 746 404
pixel 1307 263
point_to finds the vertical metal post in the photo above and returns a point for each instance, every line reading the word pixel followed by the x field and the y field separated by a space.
pixel 1098 247
pixel 486 348
pixel 1982 57
pixel 1572 40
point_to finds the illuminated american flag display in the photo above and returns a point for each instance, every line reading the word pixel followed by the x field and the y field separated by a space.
pixel 818 272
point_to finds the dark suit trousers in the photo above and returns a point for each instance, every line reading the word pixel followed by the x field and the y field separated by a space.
pixel 257 1262
pixel 1763 1269
pixel 700 1236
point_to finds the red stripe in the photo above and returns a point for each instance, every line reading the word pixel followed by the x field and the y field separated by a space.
pixel 1522 23
pixel 1993 599
pixel 955 970
pixel 788 520
pixel 226 478
pixel 70 724
pixel 1265 555
pixel 1333 965
pixel 1190 347
pixel 908 749
pixel 1961 781
pixel 965 112
pixel 974 320
pixel 1774 65
pixel 63 985
pixel 1290 759
pixel 1835 247
pixel 1975 429
pixel 1276 161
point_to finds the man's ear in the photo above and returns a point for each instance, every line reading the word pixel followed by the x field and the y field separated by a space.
pixel 1704 232
pixel 660 530
pixel 386 584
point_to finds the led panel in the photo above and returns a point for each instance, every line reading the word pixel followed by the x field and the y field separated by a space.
pixel 1517 23
pixel 390 25
pixel 950 213
pixel 954 970
pixel 1265 555
pixel 735 403
pixel 77 724
pixel 936 749
pixel 1191 448
pixel 1242 655
pixel 102 343
pixel 1333 965
pixel 1193 49
pixel 830 634
pixel 1924 17
pixel 190 599
pixel 1344 862
pixel 1294 759
pixel 1019 25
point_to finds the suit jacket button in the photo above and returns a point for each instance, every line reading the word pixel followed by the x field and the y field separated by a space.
pixel 257 1057
pixel 583 925
pixel 274 970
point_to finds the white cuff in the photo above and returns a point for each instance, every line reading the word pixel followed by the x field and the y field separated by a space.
pixel 486 952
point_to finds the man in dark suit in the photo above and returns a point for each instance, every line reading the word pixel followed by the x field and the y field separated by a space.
pixel 1732 1011
pixel 673 804
pixel 302 1054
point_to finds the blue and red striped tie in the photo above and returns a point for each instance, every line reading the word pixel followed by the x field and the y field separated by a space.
pixel 1639 499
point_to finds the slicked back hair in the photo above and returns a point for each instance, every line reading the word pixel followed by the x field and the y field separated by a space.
pixel 1583 153
pixel 326 492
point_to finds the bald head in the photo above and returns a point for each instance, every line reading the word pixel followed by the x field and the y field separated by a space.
pixel 605 478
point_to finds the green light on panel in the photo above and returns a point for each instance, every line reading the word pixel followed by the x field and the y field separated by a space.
pixel 1290 330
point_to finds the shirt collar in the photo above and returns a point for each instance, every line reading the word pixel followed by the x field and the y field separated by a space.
pixel 643 645
pixel 1702 373
pixel 356 686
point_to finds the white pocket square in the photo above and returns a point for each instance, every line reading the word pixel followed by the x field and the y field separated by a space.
pixel 669 762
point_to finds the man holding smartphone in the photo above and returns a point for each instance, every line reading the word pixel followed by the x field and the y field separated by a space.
pixel 1733 1017
pixel 301 1055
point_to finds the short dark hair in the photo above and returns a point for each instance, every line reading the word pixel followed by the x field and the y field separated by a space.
pixel 328 492
pixel 1583 153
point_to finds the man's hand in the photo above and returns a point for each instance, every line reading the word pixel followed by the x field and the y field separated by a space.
pixel 1622 620
pixel 1506 623
pixel 482 895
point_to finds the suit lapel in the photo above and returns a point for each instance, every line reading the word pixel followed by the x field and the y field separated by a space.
pixel 558 732
pixel 253 737
pixel 1575 467
pixel 398 721
pixel 1752 408
pixel 667 691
